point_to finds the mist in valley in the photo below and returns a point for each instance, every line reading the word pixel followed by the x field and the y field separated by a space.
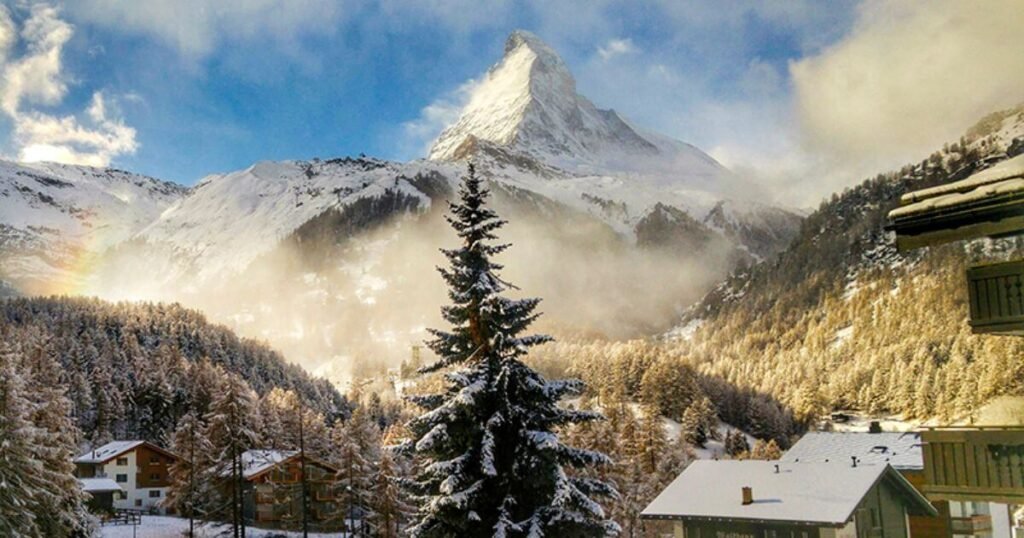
pixel 350 305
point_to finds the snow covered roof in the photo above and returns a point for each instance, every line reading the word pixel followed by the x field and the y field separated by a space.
pixel 98 485
pixel 255 462
pixel 107 452
pixel 988 203
pixel 901 450
pixel 258 461
pixel 803 493
pixel 972 186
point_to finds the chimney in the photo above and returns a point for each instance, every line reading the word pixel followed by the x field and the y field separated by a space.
pixel 875 427
pixel 776 468
pixel 748 495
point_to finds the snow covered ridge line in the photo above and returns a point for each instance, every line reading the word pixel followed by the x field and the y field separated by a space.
pixel 524 126
pixel 231 219
pixel 54 216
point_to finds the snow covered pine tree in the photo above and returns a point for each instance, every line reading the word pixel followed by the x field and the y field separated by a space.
pixel 493 465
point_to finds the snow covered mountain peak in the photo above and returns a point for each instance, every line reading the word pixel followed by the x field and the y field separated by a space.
pixel 527 102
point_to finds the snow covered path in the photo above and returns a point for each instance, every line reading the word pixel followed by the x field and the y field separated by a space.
pixel 174 527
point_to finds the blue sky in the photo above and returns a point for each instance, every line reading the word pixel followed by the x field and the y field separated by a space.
pixel 212 87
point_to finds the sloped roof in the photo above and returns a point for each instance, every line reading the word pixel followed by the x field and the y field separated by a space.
pixel 901 450
pixel 978 184
pixel 114 449
pixel 99 485
pixel 988 203
pixel 255 462
pixel 823 494
pixel 107 452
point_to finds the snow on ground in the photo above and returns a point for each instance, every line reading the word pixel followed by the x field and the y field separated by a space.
pixel 860 423
pixel 713 449
pixel 175 527
pixel 842 335
pixel 685 331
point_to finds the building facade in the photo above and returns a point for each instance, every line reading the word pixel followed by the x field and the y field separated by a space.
pixel 904 451
pixel 139 468
pixel 273 492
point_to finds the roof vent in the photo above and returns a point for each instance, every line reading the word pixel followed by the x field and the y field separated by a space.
pixel 854 458
pixel 875 427
pixel 880 449
pixel 776 468
pixel 748 495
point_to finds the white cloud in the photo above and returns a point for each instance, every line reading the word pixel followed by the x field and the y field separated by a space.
pixel 909 77
pixel 196 27
pixel 419 134
pixel 37 78
pixel 617 47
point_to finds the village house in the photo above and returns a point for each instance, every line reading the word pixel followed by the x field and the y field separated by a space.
pixel 767 499
pixel 272 491
pixel 138 468
pixel 904 451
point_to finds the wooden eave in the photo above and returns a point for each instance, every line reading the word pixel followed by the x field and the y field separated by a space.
pixel 993 216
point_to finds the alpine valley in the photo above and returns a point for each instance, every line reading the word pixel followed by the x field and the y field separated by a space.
pixel 324 258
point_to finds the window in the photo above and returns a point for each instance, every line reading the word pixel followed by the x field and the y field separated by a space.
pixel 121 478
pixel 122 461
pixel 154 476
pixel 138 502
pixel 154 459
pixel 120 495
pixel 154 493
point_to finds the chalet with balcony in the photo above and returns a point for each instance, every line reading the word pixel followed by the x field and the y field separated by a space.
pixel 273 490
pixel 765 499
pixel 138 468
pixel 904 451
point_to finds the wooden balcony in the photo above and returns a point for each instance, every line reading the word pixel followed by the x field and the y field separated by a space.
pixel 974 464
pixel 971 525
pixel 996 293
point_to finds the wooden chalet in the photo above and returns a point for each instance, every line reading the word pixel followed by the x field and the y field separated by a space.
pixel 273 491
pixel 905 452
pixel 766 499
pixel 974 464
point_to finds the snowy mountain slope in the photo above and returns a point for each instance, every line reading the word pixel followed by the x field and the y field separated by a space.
pixel 229 220
pixel 525 124
pixel 52 213
pixel 527 102
pixel 319 256
pixel 841 319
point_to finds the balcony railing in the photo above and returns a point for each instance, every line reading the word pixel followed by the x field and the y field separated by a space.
pixel 971 525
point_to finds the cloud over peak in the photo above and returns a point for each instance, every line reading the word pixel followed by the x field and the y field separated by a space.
pixel 911 76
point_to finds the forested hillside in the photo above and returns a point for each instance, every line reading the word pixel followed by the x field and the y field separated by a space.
pixel 841 319
pixel 131 370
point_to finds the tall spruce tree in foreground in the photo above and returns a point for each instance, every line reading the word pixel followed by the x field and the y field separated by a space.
pixel 494 466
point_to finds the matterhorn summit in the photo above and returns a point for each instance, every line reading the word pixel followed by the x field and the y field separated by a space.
pixel 527 103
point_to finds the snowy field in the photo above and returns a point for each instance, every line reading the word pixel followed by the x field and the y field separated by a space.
pixel 174 527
